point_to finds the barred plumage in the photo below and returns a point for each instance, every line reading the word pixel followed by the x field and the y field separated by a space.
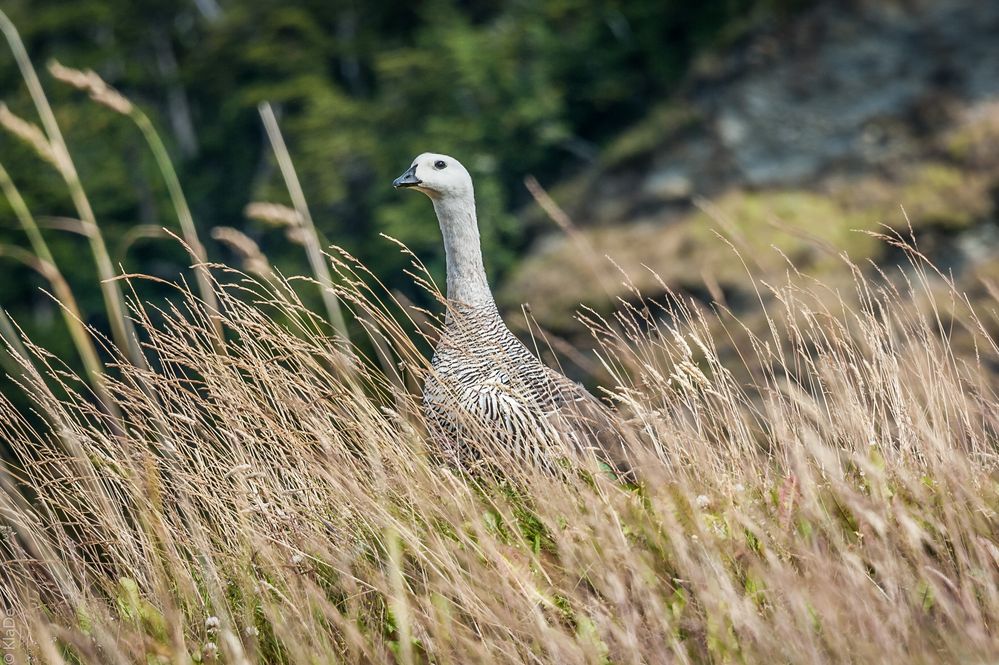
pixel 484 380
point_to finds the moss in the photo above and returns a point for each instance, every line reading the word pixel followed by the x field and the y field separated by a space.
pixel 934 195
pixel 808 228
pixel 765 227
pixel 976 140
pixel 940 195
pixel 562 273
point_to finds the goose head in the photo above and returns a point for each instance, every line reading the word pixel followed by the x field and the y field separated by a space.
pixel 437 176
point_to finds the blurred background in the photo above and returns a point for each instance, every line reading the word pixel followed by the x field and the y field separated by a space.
pixel 654 124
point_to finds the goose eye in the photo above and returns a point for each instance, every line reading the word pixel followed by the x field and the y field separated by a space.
pixel 440 164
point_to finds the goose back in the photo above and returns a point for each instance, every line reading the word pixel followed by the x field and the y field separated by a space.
pixel 486 383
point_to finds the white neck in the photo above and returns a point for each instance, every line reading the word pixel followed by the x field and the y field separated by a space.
pixel 466 276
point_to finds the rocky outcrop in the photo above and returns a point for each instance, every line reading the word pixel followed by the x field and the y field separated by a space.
pixel 795 137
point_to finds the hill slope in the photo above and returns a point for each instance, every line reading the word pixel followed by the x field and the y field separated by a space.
pixel 795 138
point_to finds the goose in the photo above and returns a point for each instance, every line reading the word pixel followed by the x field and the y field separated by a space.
pixel 484 379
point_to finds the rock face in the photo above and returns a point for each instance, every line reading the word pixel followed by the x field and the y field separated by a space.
pixel 839 117
pixel 843 90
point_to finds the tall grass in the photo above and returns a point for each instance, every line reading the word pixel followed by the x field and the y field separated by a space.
pixel 838 507
pixel 55 144
pixel 818 487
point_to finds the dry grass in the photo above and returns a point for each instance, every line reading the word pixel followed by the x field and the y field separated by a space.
pixel 257 507
pixel 267 495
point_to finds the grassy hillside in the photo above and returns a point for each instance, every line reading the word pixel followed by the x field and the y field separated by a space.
pixel 235 477
pixel 272 499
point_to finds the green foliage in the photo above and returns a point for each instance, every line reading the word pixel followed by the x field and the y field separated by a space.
pixel 133 608
pixel 513 89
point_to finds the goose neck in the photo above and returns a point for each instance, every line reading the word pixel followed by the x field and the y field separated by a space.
pixel 466 274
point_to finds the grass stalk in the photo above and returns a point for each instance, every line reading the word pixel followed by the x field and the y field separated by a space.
pixel 17 353
pixel 83 341
pixel 107 96
pixel 122 328
pixel 312 248
pixel 184 217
